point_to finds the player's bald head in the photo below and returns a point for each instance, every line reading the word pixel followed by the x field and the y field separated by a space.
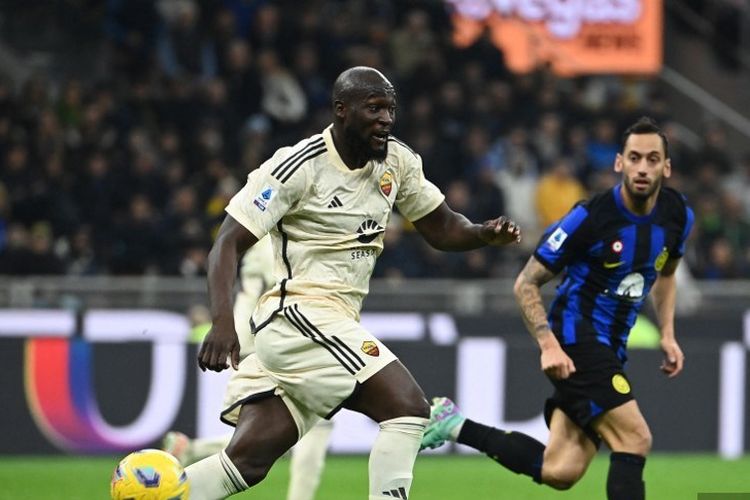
pixel 359 82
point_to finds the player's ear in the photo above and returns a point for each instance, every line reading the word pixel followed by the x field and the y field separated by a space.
pixel 618 163
pixel 667 168
pixel 339 109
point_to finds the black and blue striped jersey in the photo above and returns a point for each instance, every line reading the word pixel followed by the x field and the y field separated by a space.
pixel 611 258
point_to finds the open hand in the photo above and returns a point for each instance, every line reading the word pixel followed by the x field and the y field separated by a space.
pixel 500 231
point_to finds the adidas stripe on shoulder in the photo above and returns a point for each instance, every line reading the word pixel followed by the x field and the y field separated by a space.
pixel 284 170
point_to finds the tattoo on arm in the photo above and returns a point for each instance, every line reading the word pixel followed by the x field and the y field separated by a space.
pixel 529 297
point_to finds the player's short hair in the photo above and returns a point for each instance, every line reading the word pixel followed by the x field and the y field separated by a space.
pixel 645 125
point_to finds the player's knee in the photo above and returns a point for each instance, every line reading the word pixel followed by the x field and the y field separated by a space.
pixel 415 407
pixel 641 441
pixel 253 470
pixel 411 403
pixel 561 477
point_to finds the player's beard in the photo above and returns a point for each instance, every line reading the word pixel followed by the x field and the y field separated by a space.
pixel 642 195
pixel 361 147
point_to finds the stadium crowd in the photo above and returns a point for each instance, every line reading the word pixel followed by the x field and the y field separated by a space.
pixel 128 170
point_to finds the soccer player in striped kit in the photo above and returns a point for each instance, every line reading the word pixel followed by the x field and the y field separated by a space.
pixel 614 249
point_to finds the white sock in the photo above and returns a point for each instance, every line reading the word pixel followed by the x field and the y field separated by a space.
pixel 392 457
pixel 205 447
pixel 214 478
pixel 308 459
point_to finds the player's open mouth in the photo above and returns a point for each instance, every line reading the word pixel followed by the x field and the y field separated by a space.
pixel 380 139
pixel 641 183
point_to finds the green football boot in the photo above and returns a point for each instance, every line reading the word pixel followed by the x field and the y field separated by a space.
pixel 445 422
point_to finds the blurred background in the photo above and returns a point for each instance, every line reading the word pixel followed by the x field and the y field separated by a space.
pixel 127 125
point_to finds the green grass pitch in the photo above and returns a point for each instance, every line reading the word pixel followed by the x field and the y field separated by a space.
pixel 668 477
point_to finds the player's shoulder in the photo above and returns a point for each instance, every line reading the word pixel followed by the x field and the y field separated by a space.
pixel 671 197
pixel 600 202
pixel 400 151
pixel 673 204
pixel 288 160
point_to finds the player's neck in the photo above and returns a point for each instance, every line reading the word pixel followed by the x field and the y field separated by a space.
pixel 638 206
pixel 348 155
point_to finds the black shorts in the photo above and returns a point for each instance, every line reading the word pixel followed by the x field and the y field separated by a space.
pixel 598 385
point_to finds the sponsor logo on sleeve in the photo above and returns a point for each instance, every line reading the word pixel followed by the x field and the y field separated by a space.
pixel 263 198
pixel 661 259
pixel 557 238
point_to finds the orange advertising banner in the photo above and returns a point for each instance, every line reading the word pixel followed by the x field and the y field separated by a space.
pixel 574 37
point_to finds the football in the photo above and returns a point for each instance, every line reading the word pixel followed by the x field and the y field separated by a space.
pixel 149 475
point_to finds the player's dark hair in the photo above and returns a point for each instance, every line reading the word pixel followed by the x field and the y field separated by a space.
pixel 645 125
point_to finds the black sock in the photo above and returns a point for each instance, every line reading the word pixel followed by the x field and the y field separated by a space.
pixel 625 478
pixel 515 451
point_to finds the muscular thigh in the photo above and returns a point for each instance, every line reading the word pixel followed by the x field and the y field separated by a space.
pixel 318 355
pixel 568 446
pixel 624 429
pixel 390 393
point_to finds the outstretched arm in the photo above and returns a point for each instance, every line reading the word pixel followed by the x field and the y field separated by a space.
pixel 664 296
pixel 221 342
pixel 527 290
pixel 445 229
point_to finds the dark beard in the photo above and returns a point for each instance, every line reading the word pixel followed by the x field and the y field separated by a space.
pixel 642 196
pixel 362 149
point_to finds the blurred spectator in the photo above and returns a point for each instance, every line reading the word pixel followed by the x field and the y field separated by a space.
pixel 602 147
pixel 4 216
pixel 182 51
pixel 283 97
pixel 557 191
pixel 30 252
pixel 738 184
pixel 411 43
pixel 82 258
pixel 136 240
pixel 714 149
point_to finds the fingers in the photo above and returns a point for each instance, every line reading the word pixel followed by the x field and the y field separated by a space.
pixel 236 358
pixel 214 358
pixel 505 226
pixel 673 363
pixel 672 367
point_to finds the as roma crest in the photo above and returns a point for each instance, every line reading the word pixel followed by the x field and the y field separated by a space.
pixel 370 348
pixel 386 183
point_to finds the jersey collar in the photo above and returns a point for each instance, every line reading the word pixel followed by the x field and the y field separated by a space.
pixel 335 158
pixel 638 219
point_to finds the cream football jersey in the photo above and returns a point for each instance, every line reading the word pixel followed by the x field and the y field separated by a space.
pixel 326 221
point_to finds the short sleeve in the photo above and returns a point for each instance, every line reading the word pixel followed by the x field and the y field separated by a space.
pixel 562 239
pixel 265 199
pixel 679 250
pixel 416 196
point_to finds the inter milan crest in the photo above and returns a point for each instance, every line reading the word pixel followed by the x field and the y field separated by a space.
pixel 386 182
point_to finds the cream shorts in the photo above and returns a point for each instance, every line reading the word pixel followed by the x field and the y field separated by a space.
pixel 312 356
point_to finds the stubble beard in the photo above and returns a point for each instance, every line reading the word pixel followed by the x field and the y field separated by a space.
pixel 642 195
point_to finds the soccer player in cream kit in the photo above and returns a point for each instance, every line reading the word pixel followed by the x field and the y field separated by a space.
pixel 325 203
pixel 614 249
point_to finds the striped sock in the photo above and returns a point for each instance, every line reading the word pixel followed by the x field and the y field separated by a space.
pixel 214 478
